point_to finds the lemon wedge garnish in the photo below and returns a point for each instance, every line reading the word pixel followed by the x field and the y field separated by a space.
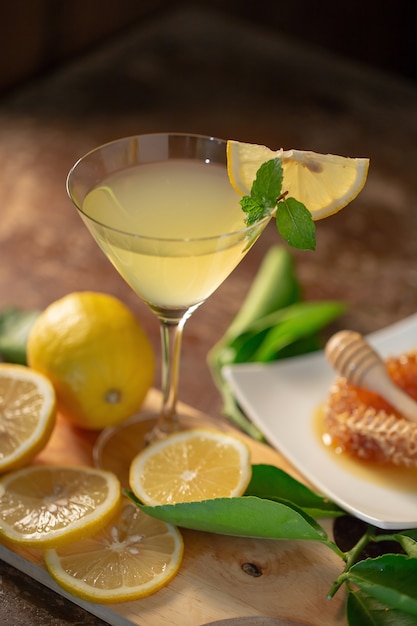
pixel 324 183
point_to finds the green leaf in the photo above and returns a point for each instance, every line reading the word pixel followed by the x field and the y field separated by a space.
pixel 247 516
pixel 301 346
pixel 274 287
pixel 293 219
pixel 265 337
pixel 242 349
pixel 272 483
pixel 267 186
pixel 390 579
pixel 304 319
pixel 15 325
pixel 408 542
pixel 406 538
pixel 254 209
pixel 266 189
pixel 295 224
pixel 365 610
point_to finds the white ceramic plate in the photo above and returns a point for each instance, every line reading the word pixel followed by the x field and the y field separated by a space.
pixel 282 397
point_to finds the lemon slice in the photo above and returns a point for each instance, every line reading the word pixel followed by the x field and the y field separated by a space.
pixel 191 466
pixel 132 557
pixel 324 183
pixel 27 415
pixel 46 506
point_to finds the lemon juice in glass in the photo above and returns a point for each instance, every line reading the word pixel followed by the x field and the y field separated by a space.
pixel 162 209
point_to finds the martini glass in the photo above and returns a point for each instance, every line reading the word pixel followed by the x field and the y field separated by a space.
pixel 162 209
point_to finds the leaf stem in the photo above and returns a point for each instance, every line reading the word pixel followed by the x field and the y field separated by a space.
pixel 281 197
pixel 335 548
pixel 350 558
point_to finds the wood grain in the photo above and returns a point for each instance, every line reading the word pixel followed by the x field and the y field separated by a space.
pixel 221 577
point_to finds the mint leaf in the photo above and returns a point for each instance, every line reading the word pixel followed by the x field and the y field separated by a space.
pixel 294 221
pixel 266 187
pixel 295 224
pixel 254 209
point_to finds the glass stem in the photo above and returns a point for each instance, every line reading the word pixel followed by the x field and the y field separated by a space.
pixel 171 339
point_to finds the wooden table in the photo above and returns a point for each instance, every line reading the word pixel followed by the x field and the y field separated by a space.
pixel 197 72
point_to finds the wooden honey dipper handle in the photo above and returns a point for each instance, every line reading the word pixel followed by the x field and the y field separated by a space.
pixel 354 359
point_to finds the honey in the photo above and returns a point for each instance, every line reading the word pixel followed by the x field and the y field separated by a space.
pixel 386 475
pixel 357 424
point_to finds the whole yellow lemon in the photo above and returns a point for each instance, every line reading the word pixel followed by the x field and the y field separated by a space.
pixel 97 356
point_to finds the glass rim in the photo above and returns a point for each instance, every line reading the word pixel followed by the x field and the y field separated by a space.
pixel 239 231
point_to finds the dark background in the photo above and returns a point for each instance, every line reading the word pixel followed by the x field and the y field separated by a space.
pixel 38 35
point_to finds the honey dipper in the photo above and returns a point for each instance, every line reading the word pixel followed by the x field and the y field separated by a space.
pixel 354 359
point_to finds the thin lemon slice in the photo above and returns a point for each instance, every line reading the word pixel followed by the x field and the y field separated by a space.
pixel 27 415
pixel 132 557
pixel 45 506
pixel 324 183
pixel 191 466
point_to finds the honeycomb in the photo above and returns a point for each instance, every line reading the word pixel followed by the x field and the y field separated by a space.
pixel 364 425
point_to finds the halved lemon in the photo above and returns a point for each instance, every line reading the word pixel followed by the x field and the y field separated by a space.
pixel 47 506
pixel 192 465
pixel 27 415
pixel 324 183
pixel 132 557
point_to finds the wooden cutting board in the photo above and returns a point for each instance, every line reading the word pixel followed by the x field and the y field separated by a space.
pixel 222 580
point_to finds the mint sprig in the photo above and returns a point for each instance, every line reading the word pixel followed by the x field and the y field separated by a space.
pixel 293 219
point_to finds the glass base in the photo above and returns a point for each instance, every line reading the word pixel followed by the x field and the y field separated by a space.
pixel 116 447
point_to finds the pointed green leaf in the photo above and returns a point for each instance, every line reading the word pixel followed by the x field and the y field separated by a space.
pixel 408 541
pixel 266 187
pixel 272 483
pixel 305 319
pixel 364 610
pixel 274 287
pixel 247 516
pixel 391 579
pixel 295 224
pixel 265 337
pixel 254 209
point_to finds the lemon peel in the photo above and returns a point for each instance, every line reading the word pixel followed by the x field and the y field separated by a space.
pixel 27 415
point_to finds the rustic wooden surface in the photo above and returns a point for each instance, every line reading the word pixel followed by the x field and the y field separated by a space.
pixel 198 72
pixel 214 582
